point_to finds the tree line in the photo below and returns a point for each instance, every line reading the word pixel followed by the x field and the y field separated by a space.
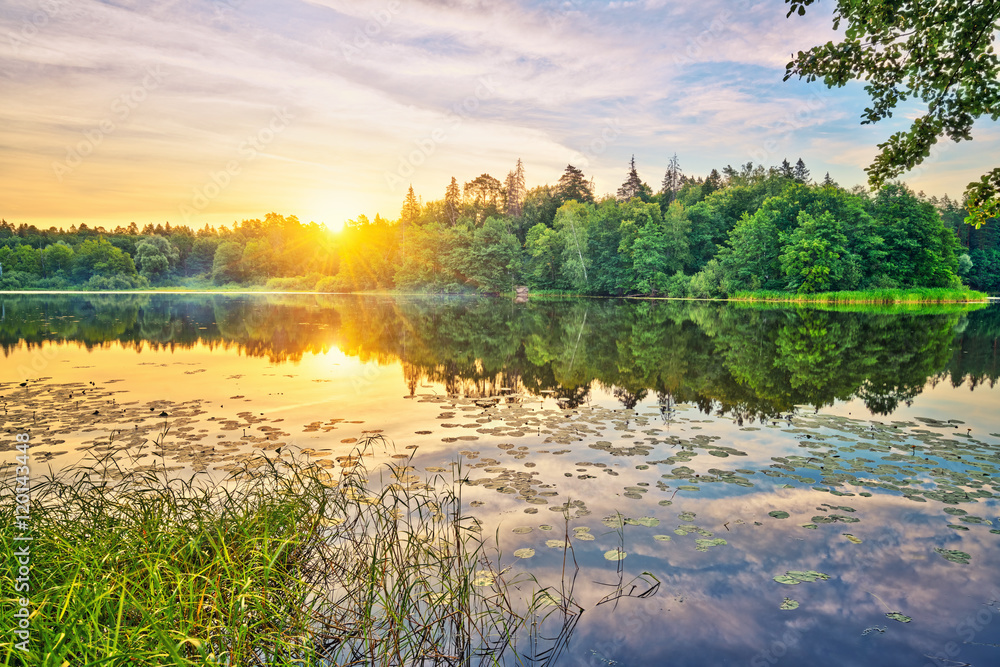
pixel 746 228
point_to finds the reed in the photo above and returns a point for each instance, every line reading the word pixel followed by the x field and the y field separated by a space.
pixel 873 296
pixel 282 563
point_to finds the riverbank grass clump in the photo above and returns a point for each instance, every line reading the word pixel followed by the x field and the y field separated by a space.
pixel 282 563
pixel 874 296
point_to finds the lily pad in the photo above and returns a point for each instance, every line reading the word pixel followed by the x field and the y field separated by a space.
pixel 851 538
pixel 647 521
pixel 778 514
pixel 793 577
pixel 898 616
pixel 615 554
pixel 954 555
pixel 789 604
pixel 705 545
pixel 483 578
pixel 524 553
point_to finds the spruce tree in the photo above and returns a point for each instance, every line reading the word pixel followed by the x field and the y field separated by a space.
pixel 632 186
pixel 572 185
pixel 452 201
pixel 801 173
pixel 672 180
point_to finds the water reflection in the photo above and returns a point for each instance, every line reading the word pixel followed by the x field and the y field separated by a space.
pixel 750 363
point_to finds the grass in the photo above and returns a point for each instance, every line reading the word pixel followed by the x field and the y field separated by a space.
pixel 282 563
pixel 876 296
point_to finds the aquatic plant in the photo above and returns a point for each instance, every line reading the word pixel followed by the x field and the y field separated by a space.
pixel 281 563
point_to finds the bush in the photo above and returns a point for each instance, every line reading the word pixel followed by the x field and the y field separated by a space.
pixel 305 283
pixel 677 285
pixel 115 283
pixel 16 280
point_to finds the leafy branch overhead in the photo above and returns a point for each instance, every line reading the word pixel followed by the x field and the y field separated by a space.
pixel 940 52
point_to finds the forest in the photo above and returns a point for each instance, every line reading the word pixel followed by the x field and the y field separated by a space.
pixel 751 228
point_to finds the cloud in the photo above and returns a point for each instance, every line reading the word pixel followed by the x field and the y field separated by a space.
pixel 367 80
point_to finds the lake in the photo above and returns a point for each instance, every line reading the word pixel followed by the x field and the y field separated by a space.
pixel 741 485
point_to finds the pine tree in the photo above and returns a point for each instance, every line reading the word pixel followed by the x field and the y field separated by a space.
pixel 829 181
pixel 711 184
pixel 452 201
pixel 801 173
pixel 515 190
pixel 672 180
pixel 632 185
pixel 411 209
pixel 572 185
pixel 786 169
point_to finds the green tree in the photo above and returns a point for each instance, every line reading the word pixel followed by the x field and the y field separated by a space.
pixel 486 197
pixel 711 184
pixel 97 257
pixel 939 51
pixel 496 257
pixel 227 262
pixel 801 174
pixel 58 259
pixel 919 250
pixel 671 182
pixel 749 259
pixel 573 185
pixel 813 256
pixel 656 248
pixel 452 201
pixel 544 247
pixel 155 256
pixel 611 273
pixel 410 212
pixel 515 190
pixel 572 223
pixel 633 186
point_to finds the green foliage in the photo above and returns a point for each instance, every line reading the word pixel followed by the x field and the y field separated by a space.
pixel 227 263
pixel 57 259
pixel 100 258
pixel 573 186
pixel 813 255
pixel 938 51
pixel 919 250
pixel 155 256
pixel 749 260
pixel 496 258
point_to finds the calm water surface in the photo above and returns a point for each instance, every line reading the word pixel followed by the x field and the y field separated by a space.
pixel 755 486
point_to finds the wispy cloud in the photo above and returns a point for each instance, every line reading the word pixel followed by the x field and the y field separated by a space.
pixel 371 81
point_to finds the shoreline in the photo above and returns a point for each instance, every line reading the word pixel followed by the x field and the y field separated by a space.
pixel 902 297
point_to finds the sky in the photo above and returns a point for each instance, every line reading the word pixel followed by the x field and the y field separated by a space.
pixel 210 111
